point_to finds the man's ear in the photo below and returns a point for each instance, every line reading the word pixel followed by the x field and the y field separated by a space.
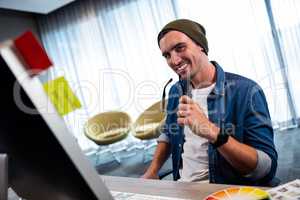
pixel 203 51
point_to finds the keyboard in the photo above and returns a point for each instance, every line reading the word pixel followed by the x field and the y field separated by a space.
pixel 135 196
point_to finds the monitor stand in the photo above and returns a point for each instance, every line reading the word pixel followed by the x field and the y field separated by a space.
pixel 3 176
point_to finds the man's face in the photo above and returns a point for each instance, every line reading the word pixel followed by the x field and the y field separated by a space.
pixel 182 54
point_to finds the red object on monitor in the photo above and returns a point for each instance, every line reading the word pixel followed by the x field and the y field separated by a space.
pixel 32 52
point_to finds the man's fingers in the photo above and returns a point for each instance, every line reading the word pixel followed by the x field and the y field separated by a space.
pixel 182 121
pixel 182 113
pixel 185 99
pixel 183 107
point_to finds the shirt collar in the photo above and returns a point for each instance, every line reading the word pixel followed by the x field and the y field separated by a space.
pixel 220 80
pixel 219 88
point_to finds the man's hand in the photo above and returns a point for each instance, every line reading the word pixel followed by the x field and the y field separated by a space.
pixel 189 113
pixel 160 156
pixel 149 175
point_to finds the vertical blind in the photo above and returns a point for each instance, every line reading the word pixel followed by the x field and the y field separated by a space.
pixel 287 21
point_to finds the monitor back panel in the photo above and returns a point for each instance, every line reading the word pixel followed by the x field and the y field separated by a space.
pixel 45 161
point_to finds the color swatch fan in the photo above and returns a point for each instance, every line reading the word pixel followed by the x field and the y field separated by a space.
pixel 240 193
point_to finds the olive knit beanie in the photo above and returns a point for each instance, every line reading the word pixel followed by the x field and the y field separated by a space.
pixel 192 29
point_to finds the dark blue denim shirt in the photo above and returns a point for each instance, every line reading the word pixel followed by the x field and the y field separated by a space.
pixel 239 106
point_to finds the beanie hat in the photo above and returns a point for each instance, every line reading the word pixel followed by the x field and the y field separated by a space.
pixel 190 28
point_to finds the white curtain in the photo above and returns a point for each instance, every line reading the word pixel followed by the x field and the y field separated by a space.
pixel 287 21
pixel 108 52
pixel 240 39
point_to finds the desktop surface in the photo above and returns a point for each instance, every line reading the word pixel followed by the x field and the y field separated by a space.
pixel 175 189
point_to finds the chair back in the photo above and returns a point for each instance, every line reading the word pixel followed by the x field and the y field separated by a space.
pixel 108 127
pixel 149 123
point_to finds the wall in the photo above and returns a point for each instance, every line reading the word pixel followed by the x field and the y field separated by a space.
pixel 13 23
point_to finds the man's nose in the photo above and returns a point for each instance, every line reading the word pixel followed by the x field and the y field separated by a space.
pixel 175 59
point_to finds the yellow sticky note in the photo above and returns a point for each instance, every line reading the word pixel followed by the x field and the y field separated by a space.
pixel 62 96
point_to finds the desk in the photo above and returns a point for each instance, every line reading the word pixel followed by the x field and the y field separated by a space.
pixel 195 191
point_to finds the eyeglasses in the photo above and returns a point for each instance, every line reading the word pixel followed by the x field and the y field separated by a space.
pixel 163 100
pixel 183 89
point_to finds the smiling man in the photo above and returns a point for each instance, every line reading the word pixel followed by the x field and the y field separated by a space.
pixel 218 127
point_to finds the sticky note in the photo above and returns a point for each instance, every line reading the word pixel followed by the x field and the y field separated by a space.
pixel 32 52
pixel 62 96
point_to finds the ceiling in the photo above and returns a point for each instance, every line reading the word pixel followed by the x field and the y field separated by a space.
pixel 34 6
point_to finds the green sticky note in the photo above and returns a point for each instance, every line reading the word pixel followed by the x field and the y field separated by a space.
pixel 62 96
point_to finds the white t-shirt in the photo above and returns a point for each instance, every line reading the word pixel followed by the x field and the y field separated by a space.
pixel 195 155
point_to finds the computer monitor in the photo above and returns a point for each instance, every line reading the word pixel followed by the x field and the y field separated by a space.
pixel 44 160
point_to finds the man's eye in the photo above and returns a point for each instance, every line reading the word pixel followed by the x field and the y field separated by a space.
pixel 167 56
pixel 180 48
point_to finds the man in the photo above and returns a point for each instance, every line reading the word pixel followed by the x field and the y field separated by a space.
pixel 218 126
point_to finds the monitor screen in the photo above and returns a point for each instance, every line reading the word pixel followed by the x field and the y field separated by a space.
pixel 44 159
